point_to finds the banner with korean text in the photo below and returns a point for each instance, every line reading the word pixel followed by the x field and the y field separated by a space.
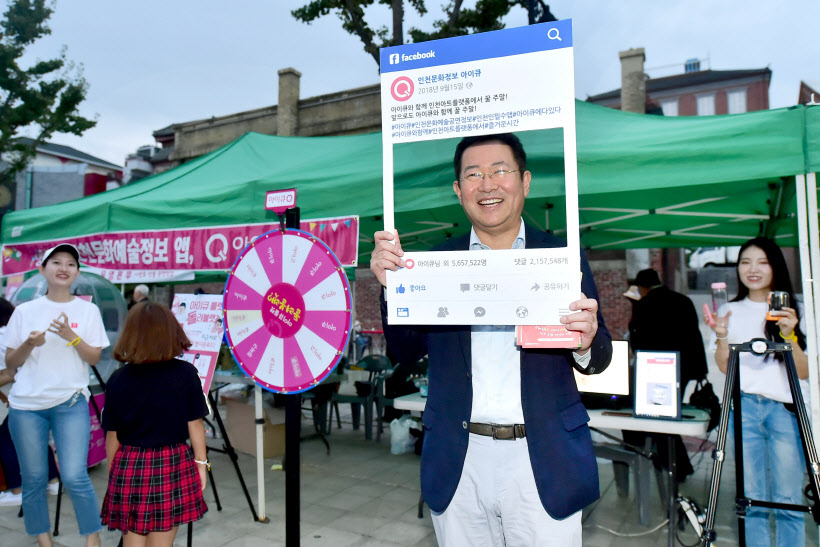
pixel 170 254
pixel 520 81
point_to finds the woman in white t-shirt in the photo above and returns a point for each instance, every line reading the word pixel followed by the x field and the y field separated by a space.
pixel 773 460
pixel 50 343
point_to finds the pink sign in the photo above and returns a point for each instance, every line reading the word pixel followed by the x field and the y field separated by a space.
pixel 96 445
pixel 191 249
pixel 280 200
pixel 287 311
pixel 201 318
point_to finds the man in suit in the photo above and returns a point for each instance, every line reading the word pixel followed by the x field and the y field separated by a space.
pixel 507 457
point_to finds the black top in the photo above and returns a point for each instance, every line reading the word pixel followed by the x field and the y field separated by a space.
pixel 665 320
pixel 149 405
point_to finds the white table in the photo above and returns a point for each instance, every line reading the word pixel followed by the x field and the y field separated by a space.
pixel 693 424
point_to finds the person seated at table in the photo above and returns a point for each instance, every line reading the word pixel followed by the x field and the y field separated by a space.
pixel 665 320
pixel 154 404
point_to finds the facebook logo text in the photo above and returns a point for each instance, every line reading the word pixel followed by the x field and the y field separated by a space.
pixel 395 58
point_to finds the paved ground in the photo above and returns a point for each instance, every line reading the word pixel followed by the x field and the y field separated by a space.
pixel 361 495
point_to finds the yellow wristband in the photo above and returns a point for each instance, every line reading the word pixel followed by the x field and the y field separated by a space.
pixel 791 338
pixel 74 342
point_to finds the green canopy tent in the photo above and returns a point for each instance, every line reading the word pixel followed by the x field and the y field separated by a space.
pixel 644 181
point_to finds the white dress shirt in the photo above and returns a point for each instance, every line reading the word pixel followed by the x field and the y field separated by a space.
pixel 496 363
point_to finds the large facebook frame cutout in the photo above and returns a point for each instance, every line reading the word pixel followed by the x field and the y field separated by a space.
pixel 513 80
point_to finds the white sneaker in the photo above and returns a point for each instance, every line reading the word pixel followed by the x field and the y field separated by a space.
pixel 8 498
pixel 53 488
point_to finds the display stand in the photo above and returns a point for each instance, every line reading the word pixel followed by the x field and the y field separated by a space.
pixel 287 321
pixel 231 452
pixel 293 435
pixel 758 346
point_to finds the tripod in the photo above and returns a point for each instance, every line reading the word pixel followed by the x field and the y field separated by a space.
pixel 758 346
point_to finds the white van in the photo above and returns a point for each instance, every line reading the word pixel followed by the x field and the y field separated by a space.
pixel 704 257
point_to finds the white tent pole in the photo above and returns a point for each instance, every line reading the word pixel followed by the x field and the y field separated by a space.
pixel 260 455
pixel 810 270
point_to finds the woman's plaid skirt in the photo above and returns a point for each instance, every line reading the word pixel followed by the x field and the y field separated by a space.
pixel 152 489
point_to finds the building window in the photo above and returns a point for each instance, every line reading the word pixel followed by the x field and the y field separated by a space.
pixel 706 105
pixel 670 107
pixel 737 101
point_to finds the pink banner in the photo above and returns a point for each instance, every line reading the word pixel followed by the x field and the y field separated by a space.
pixel 211 248
pixel 96 445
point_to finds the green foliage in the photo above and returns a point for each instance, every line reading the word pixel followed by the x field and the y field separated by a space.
pixel 486 16
pixel 44 96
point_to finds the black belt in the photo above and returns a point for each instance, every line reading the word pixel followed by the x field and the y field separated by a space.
pixel 499 432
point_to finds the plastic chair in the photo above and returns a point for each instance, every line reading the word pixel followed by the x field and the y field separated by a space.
pixel 369 394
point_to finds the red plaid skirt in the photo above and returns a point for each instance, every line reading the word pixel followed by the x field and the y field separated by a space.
pixel 152 489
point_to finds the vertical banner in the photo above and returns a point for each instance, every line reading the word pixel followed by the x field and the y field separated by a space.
pixel 201 318
pixel 517 81
pixel 96 444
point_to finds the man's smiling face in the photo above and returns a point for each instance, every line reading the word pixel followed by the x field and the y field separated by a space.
pixel 493 205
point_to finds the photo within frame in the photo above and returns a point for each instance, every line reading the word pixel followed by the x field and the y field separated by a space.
pixel 657 385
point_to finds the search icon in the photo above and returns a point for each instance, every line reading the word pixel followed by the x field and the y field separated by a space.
pixel 552 34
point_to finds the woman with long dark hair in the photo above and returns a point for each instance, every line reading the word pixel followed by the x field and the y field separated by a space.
pixel 773 460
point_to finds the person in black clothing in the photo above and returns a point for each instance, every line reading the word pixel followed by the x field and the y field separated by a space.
pixel 664 320
pixel 140 295
pixel 154 404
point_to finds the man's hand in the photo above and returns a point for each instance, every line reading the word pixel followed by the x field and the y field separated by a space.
pixel 386 255
pixel 584 320
pixel 4 399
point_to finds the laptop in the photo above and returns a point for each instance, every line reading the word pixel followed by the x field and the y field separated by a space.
pixel 609 389
pixel 657 385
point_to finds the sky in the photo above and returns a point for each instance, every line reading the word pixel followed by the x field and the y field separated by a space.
pixel 153 63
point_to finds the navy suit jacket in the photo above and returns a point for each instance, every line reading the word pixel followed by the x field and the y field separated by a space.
pixel 560 445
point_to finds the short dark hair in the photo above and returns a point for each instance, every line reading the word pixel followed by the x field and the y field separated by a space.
pixel 647 278
pixel 6 309
pixel 509 139
pixel 151 334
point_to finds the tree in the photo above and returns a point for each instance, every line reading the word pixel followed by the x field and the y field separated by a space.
pixel 43 97
pixel 457 20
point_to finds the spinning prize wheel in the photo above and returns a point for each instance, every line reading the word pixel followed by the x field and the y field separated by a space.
pixel 287 311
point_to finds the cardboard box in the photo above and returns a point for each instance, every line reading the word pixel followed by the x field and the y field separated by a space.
pixel 240 423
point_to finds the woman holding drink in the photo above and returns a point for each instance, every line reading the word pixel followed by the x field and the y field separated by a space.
pixel 773 457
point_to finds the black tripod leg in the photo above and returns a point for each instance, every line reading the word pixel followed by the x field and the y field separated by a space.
pixel 57 510
pixel 232 454
pixel 190 534
pixel 741 501
pixel 719 453
pixel 213 486
pixel 806 435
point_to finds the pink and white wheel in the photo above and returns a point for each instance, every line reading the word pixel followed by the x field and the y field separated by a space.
pixel 287 311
